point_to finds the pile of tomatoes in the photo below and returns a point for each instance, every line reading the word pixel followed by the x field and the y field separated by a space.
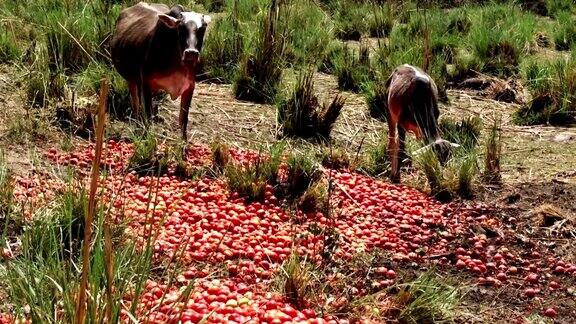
pixel 202 222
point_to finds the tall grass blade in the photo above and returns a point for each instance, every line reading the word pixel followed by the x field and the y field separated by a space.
pixel 81 301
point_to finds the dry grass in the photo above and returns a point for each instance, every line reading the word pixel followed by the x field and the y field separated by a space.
pixel 493 153
pixel 220 157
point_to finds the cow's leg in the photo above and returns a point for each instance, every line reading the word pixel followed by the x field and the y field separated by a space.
pixel 393 152
pixel 147 94
pixel 134 97
pixel 185 102
pixel 403 156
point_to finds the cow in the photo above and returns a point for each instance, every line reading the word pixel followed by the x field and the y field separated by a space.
pixel 412 105
pixel 154 48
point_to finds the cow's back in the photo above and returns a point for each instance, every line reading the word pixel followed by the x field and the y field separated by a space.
pixel 408 81
pixel 135 29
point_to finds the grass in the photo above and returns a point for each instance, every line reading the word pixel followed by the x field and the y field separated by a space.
pixel 335 158
pixel 333 53
pixel 456 177
pixel 353 68
pixel 214 5
pixel 349 20
pixel 6 187
pixel 295 281
pixel 315 198
pixel 459 22
pixel 565 32
pixel 500 35
pixel 559 6
pixel 301 115
pixel 88 82
pixel 37 89
pixel 9 49
pixel 428 162
pixel 302 172
pixel 65 42
pixel 305 45
pixel 380 21
pixel 260 73
pixel 376 96
pixel 493 152
pixel 251 181
pixel 223 49
pixel 406 46
pixel 552 85
pixel 427 299
pixel 466 173
pixel 42 280
pixel 144 160
pixel 377 163
pixel 174 158
pixel 463 165
pixel 465 132
pixel 220 157
pixel 33 125
pixel 149 160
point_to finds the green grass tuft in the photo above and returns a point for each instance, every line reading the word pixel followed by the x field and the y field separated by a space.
pixel 552 85
pixel 9 49
pixel 308 32
pixel 350 20
pixel 222 51
pixel 376 163
pixel 380 21
pixel 333 54
pixel 261 71
pixel 301 115
pixel 301 173
pixel 376 96
pixel 565 32
pixel 295 281
pixel 427 299
pixel 465 132
pixel 353 69
pixel 251 181
pixel 6 188
pixel 42 280
pixel 144 160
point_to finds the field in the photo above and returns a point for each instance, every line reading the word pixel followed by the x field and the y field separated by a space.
pixel 279 208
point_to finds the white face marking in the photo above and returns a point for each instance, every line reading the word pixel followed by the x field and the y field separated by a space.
pixel 194 17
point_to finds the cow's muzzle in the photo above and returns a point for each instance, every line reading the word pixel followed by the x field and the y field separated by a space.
pixel 190 55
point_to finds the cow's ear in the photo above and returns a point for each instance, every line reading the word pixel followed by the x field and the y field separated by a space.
pixel 206 20
pixel 169 21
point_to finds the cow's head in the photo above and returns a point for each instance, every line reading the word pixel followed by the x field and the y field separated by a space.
pixel 191 27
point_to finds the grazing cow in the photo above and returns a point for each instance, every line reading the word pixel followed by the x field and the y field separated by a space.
pixel 412 106
pixel 155 47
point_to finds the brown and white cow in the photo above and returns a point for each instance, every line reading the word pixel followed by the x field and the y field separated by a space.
pixel 412 106
pixel 154 48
